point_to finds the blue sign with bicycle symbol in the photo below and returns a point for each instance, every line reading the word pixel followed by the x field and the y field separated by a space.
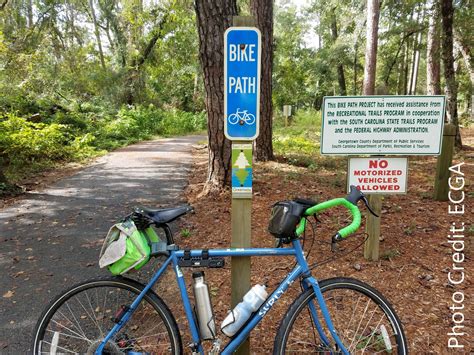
pixel 241 83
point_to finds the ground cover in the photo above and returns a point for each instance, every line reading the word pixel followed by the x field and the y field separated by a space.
pixel 415 255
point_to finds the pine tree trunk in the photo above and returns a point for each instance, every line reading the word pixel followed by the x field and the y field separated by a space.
pixel 213 18
pixel 433 66
pixel 262 11
pixel 373 11
pixel 416 65
pixel 29 13
pixel 97 34
pixel 466 54
pixel 407 67
pixel 401 67
pixel 447 14
pixel 340 68
pixel 356 47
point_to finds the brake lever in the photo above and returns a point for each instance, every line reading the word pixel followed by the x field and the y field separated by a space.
pixel 368 206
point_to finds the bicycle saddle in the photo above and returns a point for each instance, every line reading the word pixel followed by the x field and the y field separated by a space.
pixel 163 215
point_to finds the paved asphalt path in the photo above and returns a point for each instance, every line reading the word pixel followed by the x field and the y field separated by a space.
pixel 51 239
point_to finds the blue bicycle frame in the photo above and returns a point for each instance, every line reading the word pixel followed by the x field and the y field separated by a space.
pixel 301 270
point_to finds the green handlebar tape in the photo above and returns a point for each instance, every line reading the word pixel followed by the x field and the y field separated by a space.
pixel 344 232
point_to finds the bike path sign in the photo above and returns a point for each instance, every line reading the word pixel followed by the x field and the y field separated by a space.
pixel 242 53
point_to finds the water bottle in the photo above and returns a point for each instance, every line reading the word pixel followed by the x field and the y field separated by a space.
pixel 205 315
pixel 252 301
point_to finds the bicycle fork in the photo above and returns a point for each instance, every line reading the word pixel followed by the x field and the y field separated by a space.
pixel 309 281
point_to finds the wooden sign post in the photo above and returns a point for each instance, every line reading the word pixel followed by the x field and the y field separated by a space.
pixel 376 176
pixel 445 160
pixel 242 53
pixel 379 126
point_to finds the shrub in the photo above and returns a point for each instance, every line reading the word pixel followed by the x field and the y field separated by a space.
pixel 26 146
pixel 177 122
pixel 22 141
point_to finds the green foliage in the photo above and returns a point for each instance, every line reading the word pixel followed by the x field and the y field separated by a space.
pixel 23 142
pixel 185 233
pixel 298 143
pixel 301 136
pixel 175 122
pixel 26 146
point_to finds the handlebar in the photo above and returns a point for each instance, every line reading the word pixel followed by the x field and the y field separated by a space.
pixel 349 202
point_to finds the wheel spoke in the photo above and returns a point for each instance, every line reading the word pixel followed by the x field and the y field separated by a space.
pixel 64 327
pixel 362 319
pixel 78 321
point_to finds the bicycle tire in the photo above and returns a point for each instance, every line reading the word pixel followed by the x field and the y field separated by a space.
pixel 77 334
pixel 289 330
pixel 233 118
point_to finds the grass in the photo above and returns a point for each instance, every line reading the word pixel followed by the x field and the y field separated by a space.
pixel 299 142
pixel 301 136
pixel 390 254
pixel 410 230
pixel 185 233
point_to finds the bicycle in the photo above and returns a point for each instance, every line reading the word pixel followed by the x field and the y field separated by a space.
pixel 122 316
pixel 241 117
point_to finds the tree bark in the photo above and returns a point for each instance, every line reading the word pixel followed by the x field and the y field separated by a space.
pixel 213 18
pixel 395 59
pixel 29 13
pixel 97 34
pixel 406 70
pixel 134 75
pixel 108 10
pixel 466 55
pixel 262 11
pixel 373 12
pixel 340 68
pixel 416 64
pixel 447 15
pixel 354 90
pixel 433 66
pixel 401 68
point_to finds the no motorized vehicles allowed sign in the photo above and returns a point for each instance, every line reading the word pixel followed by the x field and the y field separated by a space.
pixel 378 175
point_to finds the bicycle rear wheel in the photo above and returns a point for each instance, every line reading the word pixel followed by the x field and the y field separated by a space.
pixel 78 320
pixel 362 318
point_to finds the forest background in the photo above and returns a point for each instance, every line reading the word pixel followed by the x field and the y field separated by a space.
pixel 81 77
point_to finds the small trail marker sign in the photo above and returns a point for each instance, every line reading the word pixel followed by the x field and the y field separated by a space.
pixel 242 170
pixel 378 175
pixel 382 125
pixel 242 52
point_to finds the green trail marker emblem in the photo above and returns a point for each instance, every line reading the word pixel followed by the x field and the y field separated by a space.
pixel 242 170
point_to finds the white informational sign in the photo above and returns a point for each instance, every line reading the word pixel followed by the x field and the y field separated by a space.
pixel 382 125
pixel 378 175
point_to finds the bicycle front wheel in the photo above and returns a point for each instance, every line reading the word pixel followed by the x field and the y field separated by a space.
pixel 363 319
pixel 78 320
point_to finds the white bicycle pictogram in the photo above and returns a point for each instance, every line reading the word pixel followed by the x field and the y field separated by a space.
pixel 241 117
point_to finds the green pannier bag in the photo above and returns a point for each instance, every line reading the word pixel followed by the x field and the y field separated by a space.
pixel 125 248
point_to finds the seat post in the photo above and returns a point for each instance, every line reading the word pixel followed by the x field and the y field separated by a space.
pixel 168 234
